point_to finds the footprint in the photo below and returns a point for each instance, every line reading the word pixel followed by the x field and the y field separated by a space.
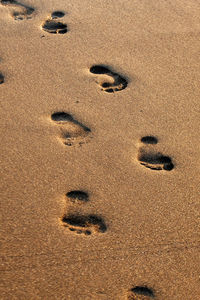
pixel 77 196
pixel 112 81
pixel 86 224
pixel 152 159
pixel 1 78
pixel 82 223
pixel 140 293
pixel 23 11
pixel 52 26
pixel 72 131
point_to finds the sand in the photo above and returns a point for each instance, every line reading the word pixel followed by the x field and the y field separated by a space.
pixel 100 189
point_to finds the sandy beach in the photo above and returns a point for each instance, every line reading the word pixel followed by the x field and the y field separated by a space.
pixel 100 149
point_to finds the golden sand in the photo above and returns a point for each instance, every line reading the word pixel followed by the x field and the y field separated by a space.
pixel 100 160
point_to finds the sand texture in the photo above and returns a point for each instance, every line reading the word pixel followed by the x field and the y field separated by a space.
pixel 100 149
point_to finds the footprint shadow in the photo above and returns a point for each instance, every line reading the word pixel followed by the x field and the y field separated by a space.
pixel 53 26
pixel 23 11
pixel 113 81
pixel 73 132
pixel 152 159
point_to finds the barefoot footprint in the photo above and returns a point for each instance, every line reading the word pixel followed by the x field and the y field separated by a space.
pixel 23 11
pixel 72 131
pixel 114 82
pixel 52 26
pixel 152 159
pixel 80 223
pixel 140 293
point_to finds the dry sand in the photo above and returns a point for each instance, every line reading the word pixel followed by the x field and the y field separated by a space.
pixel 139 217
